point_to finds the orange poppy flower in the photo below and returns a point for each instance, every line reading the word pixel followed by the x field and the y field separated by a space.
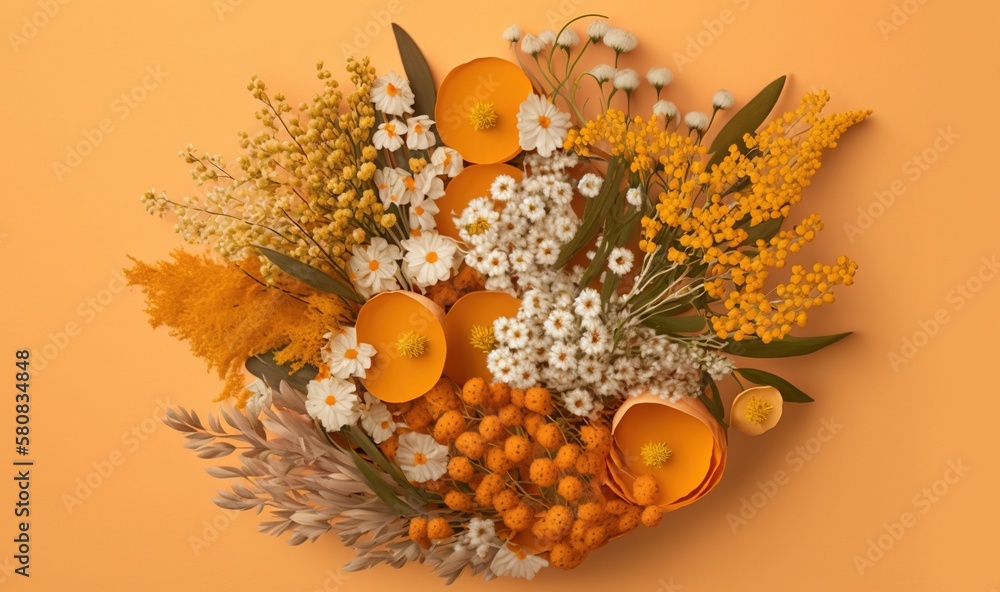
pixel 410 348
pixel 680 444
pixel 472 182
pixel 468 328
pixel 756 410
pixel 477 106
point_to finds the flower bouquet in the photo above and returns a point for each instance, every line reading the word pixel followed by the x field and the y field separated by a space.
pixel 489 319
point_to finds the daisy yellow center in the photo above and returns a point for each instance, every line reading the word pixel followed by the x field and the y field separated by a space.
pixel 418 129
pixel 483 338
pixel 480 226
pixel 390 128
pixel 432 257
pixel 544 121
pixel 331 400
pixel 757 411
pixel 411 344
pixel 419 458
pixel 391 90
pixel 411 184
pixel 415 232
pixel 482 116
pixel 518 551
pixel 655 454
pixel 373 265
pixel 385 425
pixel 350 354
pixel 418 210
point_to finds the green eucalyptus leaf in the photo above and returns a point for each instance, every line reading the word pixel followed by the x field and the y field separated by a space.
pixel 309 275
pixel 746 121
pixel 789 392
pixel 763 231
pixel 781 348
pixel 265 368
pixel 676 324
pixel 418 73
pixel 714 402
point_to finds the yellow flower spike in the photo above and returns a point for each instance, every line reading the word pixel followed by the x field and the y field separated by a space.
pixel 756 410
pixel 483 338
pixel 655 454
pixel 411 344
pixel 482 116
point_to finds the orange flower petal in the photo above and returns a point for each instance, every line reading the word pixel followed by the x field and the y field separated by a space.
pixel 484 80
pixel 476 309
pixel 395 378
pixel 737 414
pixel 472 182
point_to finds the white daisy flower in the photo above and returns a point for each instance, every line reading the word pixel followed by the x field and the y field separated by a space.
pixel 375 266
pixel 634 197
pixel 588 303
pixel 597 30
pixel 422 212
pixel 626 80
pixel 723 99
pixel 697 120
pixel 404 189
pixel 594 342
pixel 512 34
pixel 562 356
pixel 387 181
pixel 541 126
pixel 421 458
pixel 567 39
pixel 429 184
pixel 345 356
pixel 447 161
pixel 579 402
pixel 497 263
pixel 376 419
pixel 659 77
pixel 503 187
pixel 418 133
pixel 665 109
pixel 260 398
pixel 511 560
pixel 391 94
pixel 333 401
pixel 603 73
pixel 389 135
pixel 590 185
pixel 620 261
pixel 428 258
pixel 559 323
pixel 531 45
pixel 620 40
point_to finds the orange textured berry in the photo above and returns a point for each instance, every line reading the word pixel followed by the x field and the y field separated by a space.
pixel 496 460
pixel 549 435
pixel 438 529
pixel 645 490
pixel 539 400
pixel 517 397
pixel 516 448
pixel 491 485
pixel 564 556
pixel 460 469
pixel 458 501
pixel 570 487
pixel 418 529
pixel 449 426
pixel 474 392
pixel 418 417
pixel 630 519
pixel 519 517
pixel 596 438
pixel 652 515
pixel 566 456
pixel 589 463
pixel 595 536
pixel 590 511
pixel 389 447
pixel 491 428
pixel 505 500
pixel 442 397
pixel 471 444
pixel 510 415
pixel 499 395
pixel 532 421
pixel 616 507
pixel 560 521
pixel 543 472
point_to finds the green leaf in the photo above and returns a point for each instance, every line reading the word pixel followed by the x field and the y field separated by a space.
pixel 676 324
pixel 789 392
pixel 265 368
pixel 309 275
pixel 595 213
pixel 746 121
pixel 361 439
pixel 418 73
pixel 379 486
pixel 781 348
pixel 714 403
pixel 763 231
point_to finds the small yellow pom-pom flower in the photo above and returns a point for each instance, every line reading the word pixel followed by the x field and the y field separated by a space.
pixel 460 469
pixel 549 435
pixel 510 415
pixel 438 529
pixel 566 456
pixel 458 501
pixel 645 490
pixel 474 391
pixel 652 515
pixel 471 444
pixel 565 556
pixel 496 460
pixel 590 511
pixel 418 530
pixel 499 395
pixel 519 517
pixel 505 500
pixel 543 472
pixel 516 448
pixel 449 426
pixel 570 487
pixel 491 428
pixel 517 397
pixel 539 400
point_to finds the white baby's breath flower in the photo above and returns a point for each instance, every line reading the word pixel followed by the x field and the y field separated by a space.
pixel 620 40
pixel 634 197
pixel 392 95
pixel 512 34
pixel 603 73
pixel 421 458
pixel 723 99
pixel 597 30
pixel 620 261
pixel 588 303
pixel 594 342
pixel 659 77
pixel 562 355
pixel 502 188
pixel 697 120
pixel 333 401
pixel 590 185
pixel 665 109
pixel 541 125
pixel 531 45
pixel 418 133
pixel 481 532
pixel 567 39
pixel 626 80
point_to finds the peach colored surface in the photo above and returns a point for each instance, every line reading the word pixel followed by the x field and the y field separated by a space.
pixel 896 464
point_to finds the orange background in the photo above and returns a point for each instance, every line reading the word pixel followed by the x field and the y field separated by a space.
pixel 61 242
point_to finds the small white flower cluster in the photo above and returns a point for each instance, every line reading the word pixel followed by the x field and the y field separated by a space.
pixel 480 536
